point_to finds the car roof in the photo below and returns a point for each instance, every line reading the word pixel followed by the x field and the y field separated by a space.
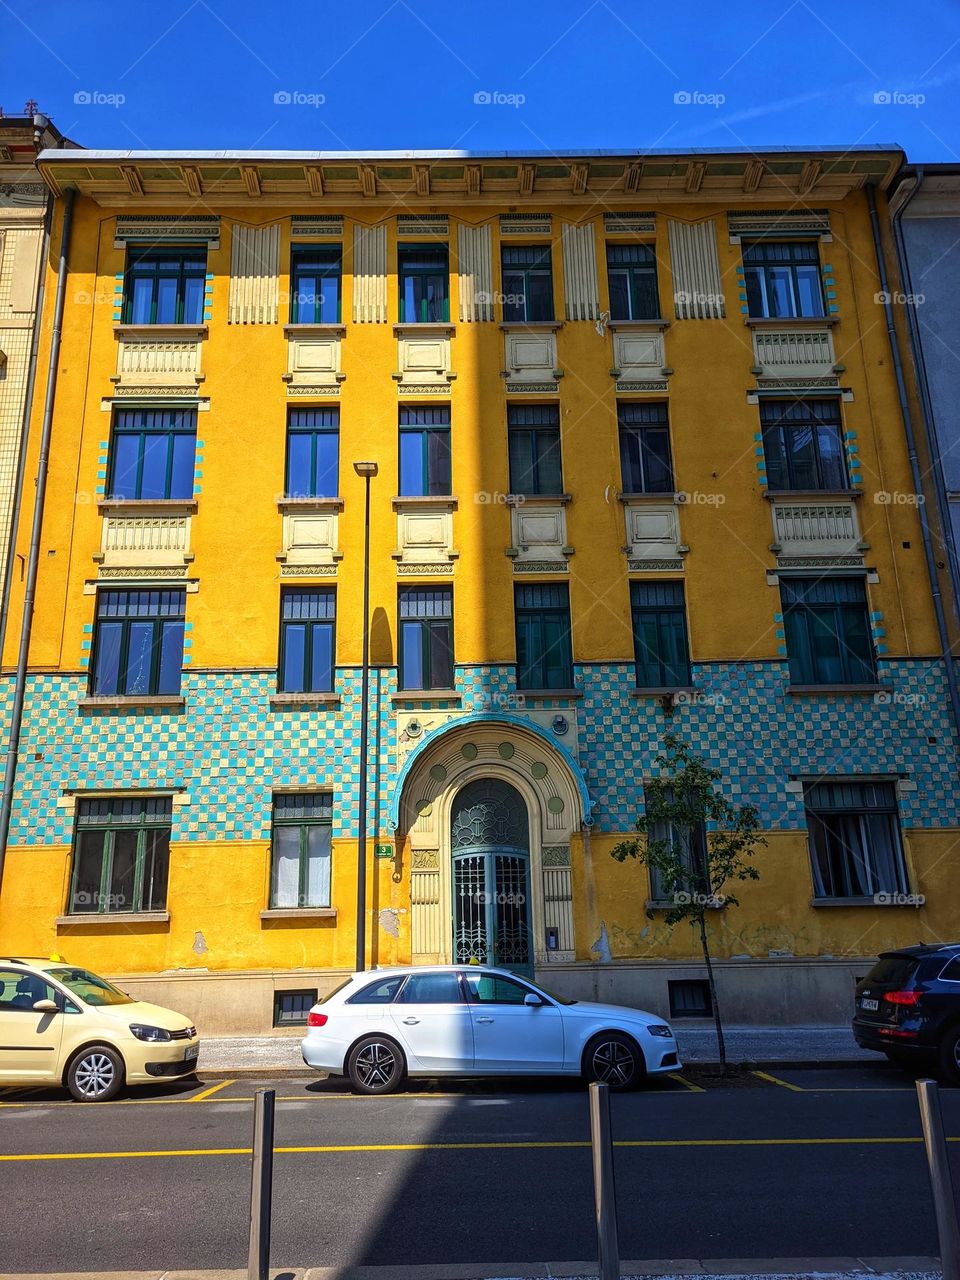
pixel 34 962
pixel 402 970
pixel 922 950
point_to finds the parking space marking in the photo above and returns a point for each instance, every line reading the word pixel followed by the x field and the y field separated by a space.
pixel 687 1084
pixel 784 1084
pixel 208 1093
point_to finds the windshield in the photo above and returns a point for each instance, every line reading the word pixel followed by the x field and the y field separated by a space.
pixel 91 989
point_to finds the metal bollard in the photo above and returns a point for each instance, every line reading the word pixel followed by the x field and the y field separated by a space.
pixel 604 1191
pixel 944 1202
pixel 261 1184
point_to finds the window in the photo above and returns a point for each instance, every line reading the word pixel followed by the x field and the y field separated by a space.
pixel 527 283
pixel 689 844
pixel 20 991
pixel 490 988
pixel 660 635
pixel 432 988
pixel 544 656
pixel 426 638
pixel 290 1008
pixel 381 992
pixel 165 286
pixel 645 448
pixel 632 276
pixel 315 284
pixel 313 453
pixel 533 432
pixel 783 279
pixel 803 444
pixel 300 876
pixel 690 998
pixel 854 839
pixel 424 283
pixel 307 621
pixel 152 454
pixel 121 854
pixel 138 643
pixel 424 451
pixel 827 631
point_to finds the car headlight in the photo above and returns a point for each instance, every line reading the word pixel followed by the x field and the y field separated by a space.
pixel 152 1034
pixel 658 1029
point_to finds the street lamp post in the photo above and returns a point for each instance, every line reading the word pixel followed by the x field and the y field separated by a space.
pixel 367 470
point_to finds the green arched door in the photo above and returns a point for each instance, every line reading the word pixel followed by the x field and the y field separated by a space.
pixel 491 877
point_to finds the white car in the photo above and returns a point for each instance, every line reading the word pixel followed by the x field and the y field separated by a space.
pixel 379 1027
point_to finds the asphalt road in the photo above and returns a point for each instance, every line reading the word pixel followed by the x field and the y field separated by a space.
pixel 806 1164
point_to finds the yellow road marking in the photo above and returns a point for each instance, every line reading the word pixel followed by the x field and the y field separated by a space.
pixel 208 1093
pixel 465 1146
pixel 694 1088
pixel 784 1084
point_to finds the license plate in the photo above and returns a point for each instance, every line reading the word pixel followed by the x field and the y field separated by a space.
pixel 192 1051
pixel 871 1005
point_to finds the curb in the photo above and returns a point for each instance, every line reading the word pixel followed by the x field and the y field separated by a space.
pixel 759 1064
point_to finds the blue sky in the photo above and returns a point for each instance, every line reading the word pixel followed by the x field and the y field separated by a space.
pixel 488 75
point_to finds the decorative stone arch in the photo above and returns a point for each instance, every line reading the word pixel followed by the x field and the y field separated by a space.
pixel 516 751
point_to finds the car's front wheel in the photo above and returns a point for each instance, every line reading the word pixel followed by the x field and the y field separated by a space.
pixel 95 1074
pixel 376 1064
pixel 614 1059
pixel 950 1056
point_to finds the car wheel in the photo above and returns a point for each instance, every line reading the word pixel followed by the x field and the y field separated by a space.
pixel 376 1065
pixel 950 1056
pixel 614 1059
pixel 95 1074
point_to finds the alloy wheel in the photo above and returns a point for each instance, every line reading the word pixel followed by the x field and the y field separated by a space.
pixel 613 1063
pixel 376 1065
pixel 94 1075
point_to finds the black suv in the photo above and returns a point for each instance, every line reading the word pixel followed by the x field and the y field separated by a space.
pixel 908 1007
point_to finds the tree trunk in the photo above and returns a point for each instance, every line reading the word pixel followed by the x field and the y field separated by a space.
pixel 713 992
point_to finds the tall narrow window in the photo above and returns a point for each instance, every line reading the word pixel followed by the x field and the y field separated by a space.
pixel 307 648
pixel 138 643
pixel 803 444
pixel 660 635
pixel 426 638
pixel 527 275
pixel 645 448
pixel 424 451
pixel 783 279
pixel 632 277
pixel 313 453
pixel 300 874
pixel 533 432
pixel 121 854
pixel 689 843
pixel 424 283
pixel 152 454
pixel 544 652
pixel 855 843
pixel 315 272
pixel 164 286
pixel 827 630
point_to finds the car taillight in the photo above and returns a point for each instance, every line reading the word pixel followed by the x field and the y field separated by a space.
pixel 903 997
pixel 316 1019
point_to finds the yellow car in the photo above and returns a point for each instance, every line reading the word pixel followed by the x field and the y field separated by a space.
pixel 62 1025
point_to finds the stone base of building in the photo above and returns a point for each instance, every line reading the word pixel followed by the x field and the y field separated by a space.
pixel 786 992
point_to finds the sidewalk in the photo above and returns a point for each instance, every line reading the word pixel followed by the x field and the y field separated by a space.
pixel 760 1046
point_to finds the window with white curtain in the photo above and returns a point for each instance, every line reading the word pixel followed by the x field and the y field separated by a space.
pixel 300 874
pixel 855 845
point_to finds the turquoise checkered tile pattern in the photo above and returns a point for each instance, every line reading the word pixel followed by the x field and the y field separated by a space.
pixel 230 749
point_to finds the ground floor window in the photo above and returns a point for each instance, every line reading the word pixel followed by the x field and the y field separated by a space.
pixel 300 875
pixel 121 854
pixel 855 843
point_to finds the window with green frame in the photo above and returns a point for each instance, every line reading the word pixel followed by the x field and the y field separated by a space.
pixel 533 439
pixel 527 275
pixel 544 650
pixel 424 283
pixel 783 278
pixel 426 637
pixel 315 272
pixel 313 452
pixel 632 276
pixel 152 454
pixel 660 635
pixel 827 630
pixel 121 855
pixel 138 643
pixel 164 286
pixel 424 451
pixel 300 871
pixel 307 640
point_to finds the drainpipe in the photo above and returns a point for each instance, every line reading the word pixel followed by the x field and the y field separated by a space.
pixel 33 560
pixel 925 531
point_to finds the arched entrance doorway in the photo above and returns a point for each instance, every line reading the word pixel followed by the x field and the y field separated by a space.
pixel 490 846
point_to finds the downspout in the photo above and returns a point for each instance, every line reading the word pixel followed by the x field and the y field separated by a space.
pixel 33 559
pixel 942 631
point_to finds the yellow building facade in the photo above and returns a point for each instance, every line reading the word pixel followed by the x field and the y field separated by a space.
pixel 641 468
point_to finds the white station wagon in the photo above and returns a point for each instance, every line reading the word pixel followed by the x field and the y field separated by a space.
pixel 377 1028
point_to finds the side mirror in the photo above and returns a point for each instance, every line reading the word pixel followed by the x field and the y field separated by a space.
pixel 532 1000
pixel 46 1006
